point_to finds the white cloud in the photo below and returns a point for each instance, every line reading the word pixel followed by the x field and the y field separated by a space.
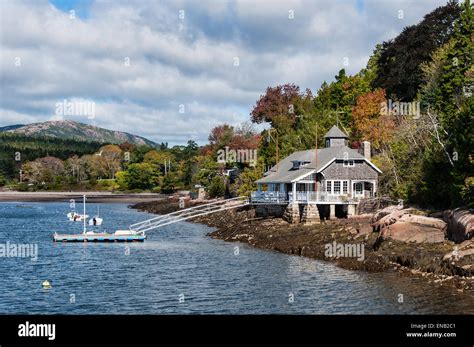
pixel 177 61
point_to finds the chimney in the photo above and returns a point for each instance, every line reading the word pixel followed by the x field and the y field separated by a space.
pixel 366 149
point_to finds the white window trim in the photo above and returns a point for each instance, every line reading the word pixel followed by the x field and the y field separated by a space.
pixel 332 187
pixel 350 163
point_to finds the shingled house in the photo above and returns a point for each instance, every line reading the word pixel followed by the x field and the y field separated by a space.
pixel 325 184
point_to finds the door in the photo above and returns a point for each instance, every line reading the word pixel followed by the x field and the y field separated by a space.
pixel 358 189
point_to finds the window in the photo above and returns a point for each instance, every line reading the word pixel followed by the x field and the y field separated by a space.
pixel 358 188
pixel 329 187
pixel 348 163
pixel 337 187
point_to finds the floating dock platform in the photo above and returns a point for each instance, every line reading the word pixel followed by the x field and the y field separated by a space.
pixel 100 237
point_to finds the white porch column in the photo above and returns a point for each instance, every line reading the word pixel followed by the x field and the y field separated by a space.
pixel 259 185
pixel 332 211
pixel 293 190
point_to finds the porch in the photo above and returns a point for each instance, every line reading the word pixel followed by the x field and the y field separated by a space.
pixel 301 197
pixel 331 192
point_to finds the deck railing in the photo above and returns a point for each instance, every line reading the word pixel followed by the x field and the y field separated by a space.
pixel 301 197
pixel 269 197
pixel 318 197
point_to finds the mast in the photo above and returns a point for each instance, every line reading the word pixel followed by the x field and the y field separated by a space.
pixel 84 216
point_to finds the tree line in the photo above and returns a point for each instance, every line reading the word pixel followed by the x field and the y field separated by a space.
pixel 413 101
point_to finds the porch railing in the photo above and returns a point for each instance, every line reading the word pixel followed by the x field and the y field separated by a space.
pixel 301 197
pixel 319 197
pixel 268 197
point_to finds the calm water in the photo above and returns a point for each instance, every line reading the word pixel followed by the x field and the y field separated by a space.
pixel 181 261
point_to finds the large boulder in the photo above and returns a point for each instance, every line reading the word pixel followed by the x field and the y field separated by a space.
pixel 389 218
pixel 385 211
pixel 425 221
pixel 460 224
pixel 413 232
pixel 461 250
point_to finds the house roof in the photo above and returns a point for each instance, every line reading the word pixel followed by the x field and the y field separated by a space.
pixel 335 132
pixel 287 174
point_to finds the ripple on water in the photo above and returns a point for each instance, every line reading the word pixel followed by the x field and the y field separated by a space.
pixel 180 261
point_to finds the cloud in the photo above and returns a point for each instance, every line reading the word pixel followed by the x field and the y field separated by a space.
pixel 140 60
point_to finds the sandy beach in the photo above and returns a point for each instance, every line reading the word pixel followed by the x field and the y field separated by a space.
pixel 92 196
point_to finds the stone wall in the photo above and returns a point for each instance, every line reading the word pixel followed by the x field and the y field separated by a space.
pixel 371 205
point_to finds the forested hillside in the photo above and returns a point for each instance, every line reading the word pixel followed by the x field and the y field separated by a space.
pixel 413 101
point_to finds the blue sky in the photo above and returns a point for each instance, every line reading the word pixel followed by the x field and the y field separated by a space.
pixel 81 7
pixel 181 79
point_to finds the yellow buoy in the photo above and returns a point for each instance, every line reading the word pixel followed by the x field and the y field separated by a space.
pixel 46 284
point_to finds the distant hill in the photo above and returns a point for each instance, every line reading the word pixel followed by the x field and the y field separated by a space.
pixel 11 127
pixel 71 130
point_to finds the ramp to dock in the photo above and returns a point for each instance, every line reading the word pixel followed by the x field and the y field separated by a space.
pixel 188 213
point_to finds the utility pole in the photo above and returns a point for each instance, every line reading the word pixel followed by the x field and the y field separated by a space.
pixel 316 162
pixel 337 120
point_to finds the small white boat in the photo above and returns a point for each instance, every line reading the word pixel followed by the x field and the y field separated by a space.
pixel 96 220
pixel 76 217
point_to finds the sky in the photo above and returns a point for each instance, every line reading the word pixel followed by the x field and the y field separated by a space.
pixel 172 70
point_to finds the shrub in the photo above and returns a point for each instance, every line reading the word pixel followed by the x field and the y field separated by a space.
pixel 216 188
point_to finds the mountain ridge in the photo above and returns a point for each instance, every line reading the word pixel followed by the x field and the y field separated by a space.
pixel 69 129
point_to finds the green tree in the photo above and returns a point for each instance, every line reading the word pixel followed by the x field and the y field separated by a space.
pixel 399 65
pixel 217 187
pixel 142 176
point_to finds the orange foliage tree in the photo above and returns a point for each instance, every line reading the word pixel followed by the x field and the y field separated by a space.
pixel 370 122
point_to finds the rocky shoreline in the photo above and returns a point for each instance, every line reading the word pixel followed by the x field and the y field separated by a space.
pixel 432 261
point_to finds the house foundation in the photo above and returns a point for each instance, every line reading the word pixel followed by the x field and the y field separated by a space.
pixel 310 214
pixel 292 214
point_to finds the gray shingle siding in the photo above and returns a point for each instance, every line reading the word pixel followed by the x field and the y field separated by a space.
pixel 336 142
pixel 361 170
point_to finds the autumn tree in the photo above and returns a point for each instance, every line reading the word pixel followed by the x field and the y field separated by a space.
pixel 370 122
pixel 111 158
pixel 275 106
pixel 221 136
